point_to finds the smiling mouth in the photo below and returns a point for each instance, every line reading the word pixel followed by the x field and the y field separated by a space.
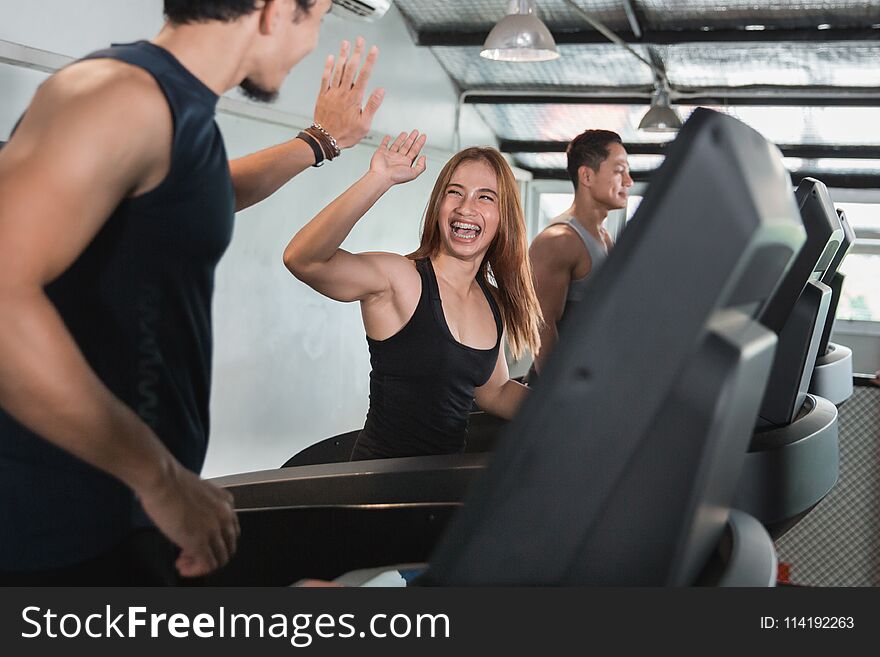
pixel 464 230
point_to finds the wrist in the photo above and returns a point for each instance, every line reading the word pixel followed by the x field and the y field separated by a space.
pixel 155 468
pixel 328 142
pixel 378 180
pixel 313 143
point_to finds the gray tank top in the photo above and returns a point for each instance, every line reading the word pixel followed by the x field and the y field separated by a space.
pixel 598 255
pixel 595 248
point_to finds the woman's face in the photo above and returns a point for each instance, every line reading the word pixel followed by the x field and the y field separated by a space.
pixel 469 210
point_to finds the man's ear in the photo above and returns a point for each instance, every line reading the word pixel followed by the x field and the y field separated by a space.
pixel 585 175
pixel 270 15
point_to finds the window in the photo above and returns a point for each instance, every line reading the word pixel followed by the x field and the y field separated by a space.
pixel 632 205
pixel 553 205
pixel 860 300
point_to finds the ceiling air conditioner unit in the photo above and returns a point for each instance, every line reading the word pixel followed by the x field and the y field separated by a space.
pixel 364 10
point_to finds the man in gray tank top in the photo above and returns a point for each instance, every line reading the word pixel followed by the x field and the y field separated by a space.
pixel 575 243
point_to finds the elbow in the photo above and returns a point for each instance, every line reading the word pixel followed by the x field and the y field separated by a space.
pixel 295 262
pixel 486 402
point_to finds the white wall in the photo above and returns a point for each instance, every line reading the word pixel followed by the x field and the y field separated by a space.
pixel 290 367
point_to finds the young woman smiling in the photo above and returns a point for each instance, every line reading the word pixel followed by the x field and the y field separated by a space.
pixel 435 319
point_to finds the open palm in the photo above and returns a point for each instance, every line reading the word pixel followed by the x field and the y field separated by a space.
pixel 399 162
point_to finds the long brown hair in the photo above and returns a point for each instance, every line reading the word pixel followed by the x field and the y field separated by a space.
pixel 505 267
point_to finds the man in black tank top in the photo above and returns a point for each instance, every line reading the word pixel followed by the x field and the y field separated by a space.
pixel 575 243
pixel 116 202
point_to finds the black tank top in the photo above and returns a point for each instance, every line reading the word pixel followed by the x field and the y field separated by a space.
pixel 422 382
pixel 138 304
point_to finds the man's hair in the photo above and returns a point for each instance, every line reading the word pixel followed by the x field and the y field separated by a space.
pixel 589 148
pixel 195 11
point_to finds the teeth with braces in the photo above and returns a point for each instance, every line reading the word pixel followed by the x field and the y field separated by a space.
pixel 460 225
pixel 463 226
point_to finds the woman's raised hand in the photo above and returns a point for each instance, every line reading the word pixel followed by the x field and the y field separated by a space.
pixel 399 162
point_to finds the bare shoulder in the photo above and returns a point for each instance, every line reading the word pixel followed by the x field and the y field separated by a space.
pixel 104 116
pixel 400 270
pixel 390 262
pixel 558 245
pixel 100 98
pixel 106 85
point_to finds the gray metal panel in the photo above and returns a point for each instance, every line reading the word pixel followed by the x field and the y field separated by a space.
pixel 537 161
pixel 551 161
pixel 753 559
pixel 833 165
pixel 694 14
pixel 433 479
pixel 564 122
pixel 781 125
pixel 795 356
pixel 832 376
pixel 796 467
pixel 577 67
pixel 483 14
pixel 843 64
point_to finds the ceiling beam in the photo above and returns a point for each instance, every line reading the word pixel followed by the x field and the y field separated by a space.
pixel 445 37
pixel 733 96
pixel 841 180
pixel 803 151
pixel 633 19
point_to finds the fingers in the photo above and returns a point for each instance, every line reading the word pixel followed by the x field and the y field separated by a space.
pixel 417 147
pixel 189 564
pixel 413 145
pixel 211 555
pixel 408 145
pixel 343 56
pixel 351 65
pixel 317 583
pixel 421 165
pixel 219 549
pixel 360 85
pixel 401 138
pixel 409 141
pixel 373 104
pixel 217 540
pixel 328 71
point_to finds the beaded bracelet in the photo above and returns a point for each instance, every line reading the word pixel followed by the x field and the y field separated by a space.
pixel 335 146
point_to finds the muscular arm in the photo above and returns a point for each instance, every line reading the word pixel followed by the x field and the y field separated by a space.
pixel 338 108
pixel 83 146
pixel 257 176
pixel 314 256
pixel 553 260
pixel 500 395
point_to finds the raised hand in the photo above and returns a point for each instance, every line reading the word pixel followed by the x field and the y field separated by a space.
pixel 399 162
pixel 339 106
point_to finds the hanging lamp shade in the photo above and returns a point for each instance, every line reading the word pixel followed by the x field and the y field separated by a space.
pixel 520 36
pixel 660 117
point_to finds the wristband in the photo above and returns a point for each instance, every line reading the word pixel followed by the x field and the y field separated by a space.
pixel 315 146
pixel 336 150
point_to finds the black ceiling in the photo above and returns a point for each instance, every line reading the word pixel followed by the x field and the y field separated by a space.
pixel 805 73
